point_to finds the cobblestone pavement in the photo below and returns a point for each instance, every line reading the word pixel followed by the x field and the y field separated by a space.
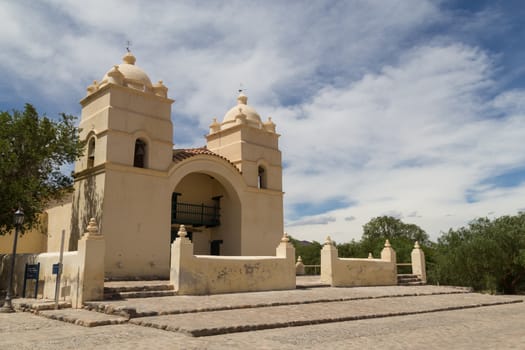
pixel 179 304
pixel 230 321
pixel 494 327
pixel 487 327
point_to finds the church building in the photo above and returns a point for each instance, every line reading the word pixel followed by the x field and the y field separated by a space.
pixel 140 189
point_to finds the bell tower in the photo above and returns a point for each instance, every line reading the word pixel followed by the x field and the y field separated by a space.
pixel 126 121
pixel 250 144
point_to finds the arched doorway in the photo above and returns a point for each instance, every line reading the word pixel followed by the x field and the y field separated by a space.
pixel 209 207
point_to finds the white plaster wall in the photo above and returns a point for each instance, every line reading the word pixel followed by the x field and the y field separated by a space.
pixel 363 272
pixel 69 281
pixel 212 274
pixel 198 274
pixel 59 218
pixel 349 272
pixel 136 223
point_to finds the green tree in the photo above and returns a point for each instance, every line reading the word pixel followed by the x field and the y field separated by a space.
pixel 310 252
pixel 33 149
pixel 384 227
pixel 486 255
pixel 402 236
pixel 352 249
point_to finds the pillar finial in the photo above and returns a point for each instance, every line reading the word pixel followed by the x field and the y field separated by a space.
pixel 92 227
pixel 182 231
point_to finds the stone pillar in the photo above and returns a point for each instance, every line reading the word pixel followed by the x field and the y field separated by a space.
pixel 418 262
pixel 91 252
pixel 388 253
pixel 181 255
pixel 285 249
pixel 329 257
pixel 299 267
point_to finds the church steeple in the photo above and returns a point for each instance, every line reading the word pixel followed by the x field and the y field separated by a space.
pixel 130 117
pixel 248 143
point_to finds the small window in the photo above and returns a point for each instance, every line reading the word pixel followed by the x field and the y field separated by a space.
pixel 139 160
pixel 261 178
pixel 91 153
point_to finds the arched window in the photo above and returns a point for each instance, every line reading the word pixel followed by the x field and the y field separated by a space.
pixel 91 153
pixel 261 177
pixel 139 159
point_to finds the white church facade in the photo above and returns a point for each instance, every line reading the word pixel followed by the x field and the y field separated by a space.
pixel 140 189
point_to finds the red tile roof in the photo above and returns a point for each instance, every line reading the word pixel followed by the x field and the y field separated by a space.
pixel 184 153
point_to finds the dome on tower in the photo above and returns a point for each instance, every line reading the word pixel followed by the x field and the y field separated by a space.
pixel 242 112
pixel 134 77
pixel 129 75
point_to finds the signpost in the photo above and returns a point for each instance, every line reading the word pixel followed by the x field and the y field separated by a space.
pixel 31 273
pixel 58 268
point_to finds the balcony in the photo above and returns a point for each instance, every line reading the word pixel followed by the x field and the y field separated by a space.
pixel 195 214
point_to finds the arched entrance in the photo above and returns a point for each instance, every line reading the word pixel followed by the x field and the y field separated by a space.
pixel 208 204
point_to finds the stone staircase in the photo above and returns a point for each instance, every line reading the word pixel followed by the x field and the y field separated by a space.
pixel 137 289
pixel 408 280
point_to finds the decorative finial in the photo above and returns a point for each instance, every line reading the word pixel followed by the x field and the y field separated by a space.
pixel 387 243
pixel 242 98
pixel 285 238
pixel 370 255
pixel 241 88
pixel 299 259
pixel 416 245
pixel 92 227
pixel 182 231
pixel 129 58
pixel 328 240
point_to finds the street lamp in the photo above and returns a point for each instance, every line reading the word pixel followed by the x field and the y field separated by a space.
pixel 18 220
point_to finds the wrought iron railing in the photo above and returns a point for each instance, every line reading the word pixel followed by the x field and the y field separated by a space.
pixel 195 214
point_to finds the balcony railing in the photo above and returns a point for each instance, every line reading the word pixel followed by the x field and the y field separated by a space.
pixel 195 214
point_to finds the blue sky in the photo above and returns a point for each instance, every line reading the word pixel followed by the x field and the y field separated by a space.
pixel 409 108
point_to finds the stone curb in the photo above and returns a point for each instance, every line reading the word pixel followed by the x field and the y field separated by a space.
pixel 81 319
pixel 35 307
pixel 130 312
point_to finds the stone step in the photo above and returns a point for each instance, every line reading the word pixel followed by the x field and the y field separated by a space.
pixel 249 319
pixel 408 280
pixel 139 294
pixel 133 308
pixel 417 283
pixel 137 289
pixel 407 277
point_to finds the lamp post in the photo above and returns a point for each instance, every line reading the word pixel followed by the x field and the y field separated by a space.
pixel 19 220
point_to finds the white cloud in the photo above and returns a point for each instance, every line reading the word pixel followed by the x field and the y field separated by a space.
pixel 374 108
pixel 414 137
pixel 318 220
